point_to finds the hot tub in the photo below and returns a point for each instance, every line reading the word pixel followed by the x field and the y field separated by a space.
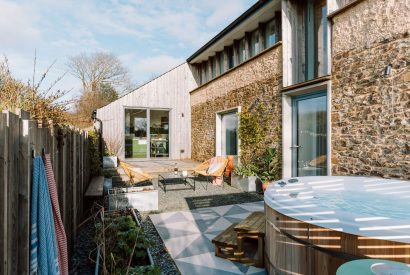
pixel 315 224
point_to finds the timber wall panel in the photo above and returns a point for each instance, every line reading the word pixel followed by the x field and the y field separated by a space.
pixel 168 91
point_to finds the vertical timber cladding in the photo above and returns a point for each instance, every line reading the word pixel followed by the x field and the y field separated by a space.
pixel 370 111
pixel 256 80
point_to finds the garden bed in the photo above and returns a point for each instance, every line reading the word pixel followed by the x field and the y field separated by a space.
pixel 121 245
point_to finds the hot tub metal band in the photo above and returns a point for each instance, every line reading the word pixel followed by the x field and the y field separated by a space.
pixel 342 255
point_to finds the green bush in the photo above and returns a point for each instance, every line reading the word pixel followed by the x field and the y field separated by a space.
pixel 94 152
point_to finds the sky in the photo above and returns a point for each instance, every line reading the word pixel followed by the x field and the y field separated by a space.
pixel 148 36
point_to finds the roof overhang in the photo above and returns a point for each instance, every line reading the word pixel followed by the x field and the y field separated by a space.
pixel 260 12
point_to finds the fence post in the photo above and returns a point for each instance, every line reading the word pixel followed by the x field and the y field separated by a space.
pixel 3 191
pixel 13 192
pixel 24 194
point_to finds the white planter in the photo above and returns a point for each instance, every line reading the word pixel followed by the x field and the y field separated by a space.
pixel 110 162
pixel 247 184
pixel 141 198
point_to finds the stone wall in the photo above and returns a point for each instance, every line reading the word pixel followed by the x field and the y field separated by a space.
pixel 371 112
pixel 255 82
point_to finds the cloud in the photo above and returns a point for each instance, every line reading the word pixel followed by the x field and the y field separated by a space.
pixel 150 67
pixel 18 25
pixel 150 36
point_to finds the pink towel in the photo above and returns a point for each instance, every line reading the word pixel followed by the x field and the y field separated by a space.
pixel 58 223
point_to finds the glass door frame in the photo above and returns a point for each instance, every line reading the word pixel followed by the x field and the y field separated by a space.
pixel 148 112
pixel 218 131
pixel 295 151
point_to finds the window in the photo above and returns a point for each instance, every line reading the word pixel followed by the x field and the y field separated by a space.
pixel 316 39
pixel 229 134
pixel 270 34
pixel 242 50
pixel 221 63
pixel 255 46
pixel 231 62
pixel 205 68
pixel 213 63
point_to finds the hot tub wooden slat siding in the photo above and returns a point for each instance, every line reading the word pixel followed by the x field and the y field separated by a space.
pixel 302 248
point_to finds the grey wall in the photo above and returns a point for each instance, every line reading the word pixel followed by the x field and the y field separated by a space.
pixel 169 91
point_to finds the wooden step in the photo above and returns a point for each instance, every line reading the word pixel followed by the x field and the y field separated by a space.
pixel 227 238
pixel 254 224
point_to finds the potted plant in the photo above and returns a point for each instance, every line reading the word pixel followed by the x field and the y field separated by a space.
pixel 245 177
pixel 112 148
pixel 270 169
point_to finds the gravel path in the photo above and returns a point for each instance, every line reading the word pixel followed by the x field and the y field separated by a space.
pixel 177 197
pixel 83 246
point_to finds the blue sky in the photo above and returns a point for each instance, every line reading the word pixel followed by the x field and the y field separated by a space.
pixel 149 36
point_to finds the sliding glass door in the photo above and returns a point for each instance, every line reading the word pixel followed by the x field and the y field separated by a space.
pixel 159 134
pixel 136 133
pixel 309 149
pixel 145 142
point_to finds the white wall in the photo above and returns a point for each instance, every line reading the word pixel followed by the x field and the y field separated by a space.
pixel 169 91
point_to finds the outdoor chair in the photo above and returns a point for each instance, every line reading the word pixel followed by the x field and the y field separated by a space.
pixel 136 175
pixel 214 167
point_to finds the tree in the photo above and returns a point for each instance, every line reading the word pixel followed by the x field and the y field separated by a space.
pixel 99 69
pixel 103 78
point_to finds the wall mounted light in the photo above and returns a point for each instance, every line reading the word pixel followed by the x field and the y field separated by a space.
pixel 387 70
pixel 182 114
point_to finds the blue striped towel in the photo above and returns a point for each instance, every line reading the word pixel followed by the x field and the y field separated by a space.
pixel 43 247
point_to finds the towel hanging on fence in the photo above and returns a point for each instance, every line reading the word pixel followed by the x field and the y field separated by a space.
pixel 58 223
pixel 43 254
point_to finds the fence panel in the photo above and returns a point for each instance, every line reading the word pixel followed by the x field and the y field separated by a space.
pixel 20 139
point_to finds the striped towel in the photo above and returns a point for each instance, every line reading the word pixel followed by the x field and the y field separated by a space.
pixel 43 249
pixel 58 223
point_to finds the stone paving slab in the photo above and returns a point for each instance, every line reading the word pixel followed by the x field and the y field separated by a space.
pixel 188 236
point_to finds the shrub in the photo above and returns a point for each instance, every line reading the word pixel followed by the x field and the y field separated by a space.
pixel 41 104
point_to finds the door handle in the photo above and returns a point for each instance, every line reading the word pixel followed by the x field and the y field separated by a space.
pixel 295 147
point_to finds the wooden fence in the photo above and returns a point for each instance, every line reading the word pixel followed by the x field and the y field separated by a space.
pixel 21 139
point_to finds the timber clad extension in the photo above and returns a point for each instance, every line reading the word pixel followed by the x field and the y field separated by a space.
pixel 332 77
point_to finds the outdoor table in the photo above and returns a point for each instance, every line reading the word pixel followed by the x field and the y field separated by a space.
pixel 363 267
pixel 170 178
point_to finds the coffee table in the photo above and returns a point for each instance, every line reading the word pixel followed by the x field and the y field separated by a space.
pixel 170 178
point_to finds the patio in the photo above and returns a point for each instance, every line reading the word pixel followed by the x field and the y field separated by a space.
pixel 179 197
pixel 187 236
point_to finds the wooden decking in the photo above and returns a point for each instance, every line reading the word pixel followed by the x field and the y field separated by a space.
pixel 229 244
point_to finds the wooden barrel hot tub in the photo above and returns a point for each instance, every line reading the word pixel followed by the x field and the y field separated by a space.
pixel 315 224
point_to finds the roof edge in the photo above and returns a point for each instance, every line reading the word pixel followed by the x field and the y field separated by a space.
pixel 142 85
pixel 230 27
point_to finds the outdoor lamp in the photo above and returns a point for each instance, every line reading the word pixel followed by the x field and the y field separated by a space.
pixel 94 115
pixel 387 70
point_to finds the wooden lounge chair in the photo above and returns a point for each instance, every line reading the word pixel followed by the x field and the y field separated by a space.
pixel 214 167
pixel 136 175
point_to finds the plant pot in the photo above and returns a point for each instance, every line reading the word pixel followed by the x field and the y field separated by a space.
pixel 265 185
pixel 247 184
pixel 110 162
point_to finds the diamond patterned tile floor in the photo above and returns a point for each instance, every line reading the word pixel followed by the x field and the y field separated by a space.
pixel 188 235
